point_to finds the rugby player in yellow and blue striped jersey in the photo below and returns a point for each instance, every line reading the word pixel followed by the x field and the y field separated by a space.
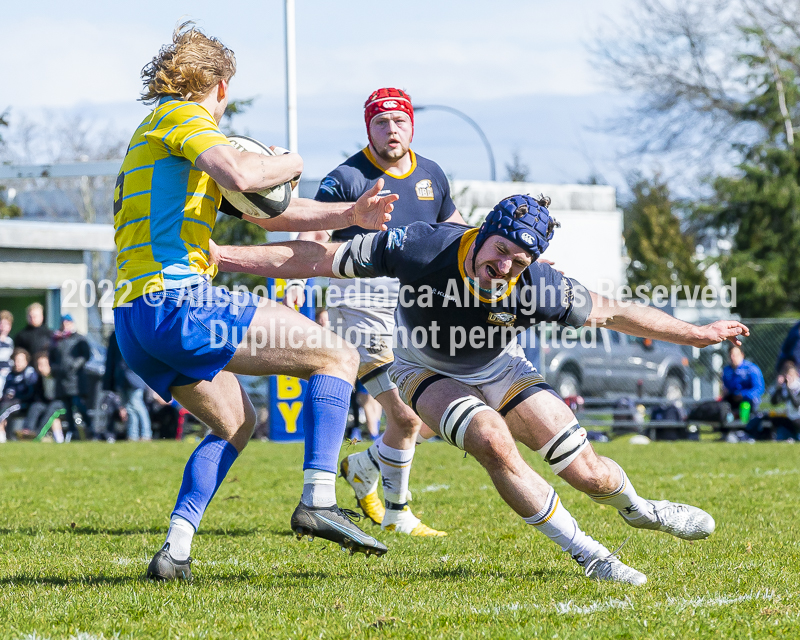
pixel 186 338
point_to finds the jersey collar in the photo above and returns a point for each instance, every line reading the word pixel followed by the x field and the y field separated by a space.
pixel 374 162
pixel 467 241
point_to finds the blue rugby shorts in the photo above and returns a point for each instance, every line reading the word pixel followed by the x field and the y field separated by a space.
pixel 179 336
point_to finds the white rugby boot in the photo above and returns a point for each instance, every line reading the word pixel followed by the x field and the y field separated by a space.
pixel 403 521
pixel 606 566
pixel 362 475
pixel 680 520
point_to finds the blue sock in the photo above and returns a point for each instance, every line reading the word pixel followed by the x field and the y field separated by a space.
pixel 325 412
pixel 205 471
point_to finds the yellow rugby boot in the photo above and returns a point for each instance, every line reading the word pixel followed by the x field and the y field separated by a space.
pixel 403 521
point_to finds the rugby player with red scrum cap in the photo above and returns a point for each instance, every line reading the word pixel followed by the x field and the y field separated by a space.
pixel 363 310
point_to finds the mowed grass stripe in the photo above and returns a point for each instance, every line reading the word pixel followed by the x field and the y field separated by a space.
pixel 78 523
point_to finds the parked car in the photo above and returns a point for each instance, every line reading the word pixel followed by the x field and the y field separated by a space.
pixel 601 362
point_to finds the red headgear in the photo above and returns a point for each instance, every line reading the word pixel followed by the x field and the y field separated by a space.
pixel 386 100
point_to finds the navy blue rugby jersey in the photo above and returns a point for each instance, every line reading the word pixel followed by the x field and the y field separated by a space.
pixel 465 330
pixel 424 191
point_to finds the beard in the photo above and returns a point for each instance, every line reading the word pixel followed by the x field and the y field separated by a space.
pixel 391 155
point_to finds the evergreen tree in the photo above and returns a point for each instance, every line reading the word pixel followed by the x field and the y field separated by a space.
pixel 660 252
pixel 760 209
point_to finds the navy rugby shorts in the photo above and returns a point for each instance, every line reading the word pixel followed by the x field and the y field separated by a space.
pixel 179 336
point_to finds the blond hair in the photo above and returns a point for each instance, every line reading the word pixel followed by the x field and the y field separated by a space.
pixel 188 68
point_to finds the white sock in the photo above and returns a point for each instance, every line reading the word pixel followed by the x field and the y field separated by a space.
pixel 556 523
pixel 319 488
pixel 395 467
pixel 373 448
pixel 179 537
pixel 421 438
pixel 625 500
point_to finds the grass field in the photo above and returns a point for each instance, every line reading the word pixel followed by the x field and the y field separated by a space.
pixel 79 522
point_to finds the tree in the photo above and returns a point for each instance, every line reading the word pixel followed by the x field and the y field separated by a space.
pixel 6 210
pixel 723 79
pixel 517 171
pixel 760 210
pixel 660 253
pixel 695 67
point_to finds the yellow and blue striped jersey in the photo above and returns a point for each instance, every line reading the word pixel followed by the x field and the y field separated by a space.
pixel 164 206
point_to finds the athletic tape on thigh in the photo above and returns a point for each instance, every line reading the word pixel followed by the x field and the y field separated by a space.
pixel 456 419
pixel 564 447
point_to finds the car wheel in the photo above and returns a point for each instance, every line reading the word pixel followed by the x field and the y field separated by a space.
pixel 567 384
pixel 673 389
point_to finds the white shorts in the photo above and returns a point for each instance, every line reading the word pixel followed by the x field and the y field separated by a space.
pixel 371 331
pixel 516 380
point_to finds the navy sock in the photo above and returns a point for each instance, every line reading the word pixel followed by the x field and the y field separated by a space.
pixel 205 471
pixel 324 419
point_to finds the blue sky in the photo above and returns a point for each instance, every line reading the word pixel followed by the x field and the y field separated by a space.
pixel 519 68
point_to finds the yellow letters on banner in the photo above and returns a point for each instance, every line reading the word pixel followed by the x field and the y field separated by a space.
pixel 290 413
pixel 289 388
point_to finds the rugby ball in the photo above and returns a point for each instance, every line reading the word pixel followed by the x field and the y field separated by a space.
pixel 266 203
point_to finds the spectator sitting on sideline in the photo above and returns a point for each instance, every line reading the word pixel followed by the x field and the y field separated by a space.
pixel 46 409
pixel 18 389
pixel 68 355
pixel 35 337
pixel 787 390
pixel 6 345
pixel 166 418
pixel 790 349
pixel 742 381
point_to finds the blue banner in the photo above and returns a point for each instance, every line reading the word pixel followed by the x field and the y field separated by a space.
pixel 286 393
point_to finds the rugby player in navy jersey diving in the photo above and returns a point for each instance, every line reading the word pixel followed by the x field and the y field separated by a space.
pixel 465 295
pixel 363 309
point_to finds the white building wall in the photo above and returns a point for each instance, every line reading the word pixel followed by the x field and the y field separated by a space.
pixel 588 246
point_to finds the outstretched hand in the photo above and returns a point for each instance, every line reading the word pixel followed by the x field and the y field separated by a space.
pixel 723 330
pixel 372 211
pixel 213 252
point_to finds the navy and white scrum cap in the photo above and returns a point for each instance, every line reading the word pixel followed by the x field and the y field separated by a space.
pixel 522 219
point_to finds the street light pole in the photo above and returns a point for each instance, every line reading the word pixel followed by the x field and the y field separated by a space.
pixel 468 120
pixel 291 78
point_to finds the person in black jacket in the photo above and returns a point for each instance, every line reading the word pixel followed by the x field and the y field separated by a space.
pixel 35 337
pixel 68 355
pixel 46 409
pixel 18 389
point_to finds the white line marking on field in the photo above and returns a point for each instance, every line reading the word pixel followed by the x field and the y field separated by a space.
pixel 717 601
pixel 565 608
pixel 680 604
pixel 774 472
pixel 124 562
pixel 436 487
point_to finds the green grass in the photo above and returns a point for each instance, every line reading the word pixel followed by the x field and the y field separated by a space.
pixel 79 522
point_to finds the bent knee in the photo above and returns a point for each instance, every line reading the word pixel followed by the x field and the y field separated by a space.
pixel 405 420
pixel 490 441
pixel 341 361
